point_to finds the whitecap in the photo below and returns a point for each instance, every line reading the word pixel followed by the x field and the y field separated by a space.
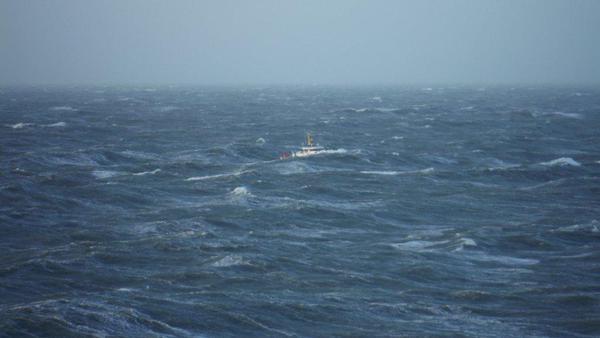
pixel 101 174
pixel 418 245
pixel 376 109
pixel 376 99
pixel 376 172
pixel 587 227
pixel 19 125
pixel 165 109
pixel 545 184
pixel 57 124
pixel 563 114
pixel 391 172
pixel 463 242
pixel 63 108
pixel 563 161
pixel 468 241
pixel 139 155
pixel 398 137
pixel 260 141
pixel 147 172
pixel 505 166
pixel 125 290
pixel 506 260
pixel 230 260
pixel 209 177
pixel 241 192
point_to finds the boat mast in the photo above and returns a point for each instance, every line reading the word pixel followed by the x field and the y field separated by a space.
pixel 309 140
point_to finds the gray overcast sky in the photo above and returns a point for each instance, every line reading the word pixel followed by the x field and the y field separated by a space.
pixel 278 41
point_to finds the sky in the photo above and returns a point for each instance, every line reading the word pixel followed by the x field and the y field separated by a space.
pixel 344 42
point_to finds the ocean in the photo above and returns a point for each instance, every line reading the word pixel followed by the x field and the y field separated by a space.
pixel 166 211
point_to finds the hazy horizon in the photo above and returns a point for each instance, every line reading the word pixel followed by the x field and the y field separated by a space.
pixel 342 43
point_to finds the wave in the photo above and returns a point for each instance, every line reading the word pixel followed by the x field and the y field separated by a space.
pixel 102 174
pixel 504 260
pixel 139 155
pixel 506 166
pixel 166 109
pixel 241 192
pixel 82 317
pixel 563 114
pixel 260 141
pixel 593 227
pixel 229 260
pixel 365 110
pixel 22 125
pixel 392 173
pixel 210 177
pixel 294 167
pixel 57 124
pixel 420 245
pixel 63 108
pixel 563 161
pixel 19 125
pixel 147 172
pixel 550 183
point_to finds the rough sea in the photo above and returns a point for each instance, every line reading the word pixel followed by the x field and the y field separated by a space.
pixel 166 212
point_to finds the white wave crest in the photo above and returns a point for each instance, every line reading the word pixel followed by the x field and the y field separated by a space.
pixel 19 125
pixel 588 227
pixel 63 108
pixel 391 172
pixel 147 172
pixel 364 110
pixel 505 260
pixel 101 174
pixel 139 155
pixel 376 172
pixel 230 260
pixel 166 109
pixel 241 192
pixel 260 141
pixel 563 114
pixel 418 245
pixel 210 177
pixel 563 161
pixel 57 124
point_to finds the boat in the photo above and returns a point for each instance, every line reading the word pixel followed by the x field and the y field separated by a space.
pixel 310 148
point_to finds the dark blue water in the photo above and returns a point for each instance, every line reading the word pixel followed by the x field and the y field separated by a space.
pixel 165 212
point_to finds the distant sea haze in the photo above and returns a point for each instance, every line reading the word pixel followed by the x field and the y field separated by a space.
pixel 431 211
